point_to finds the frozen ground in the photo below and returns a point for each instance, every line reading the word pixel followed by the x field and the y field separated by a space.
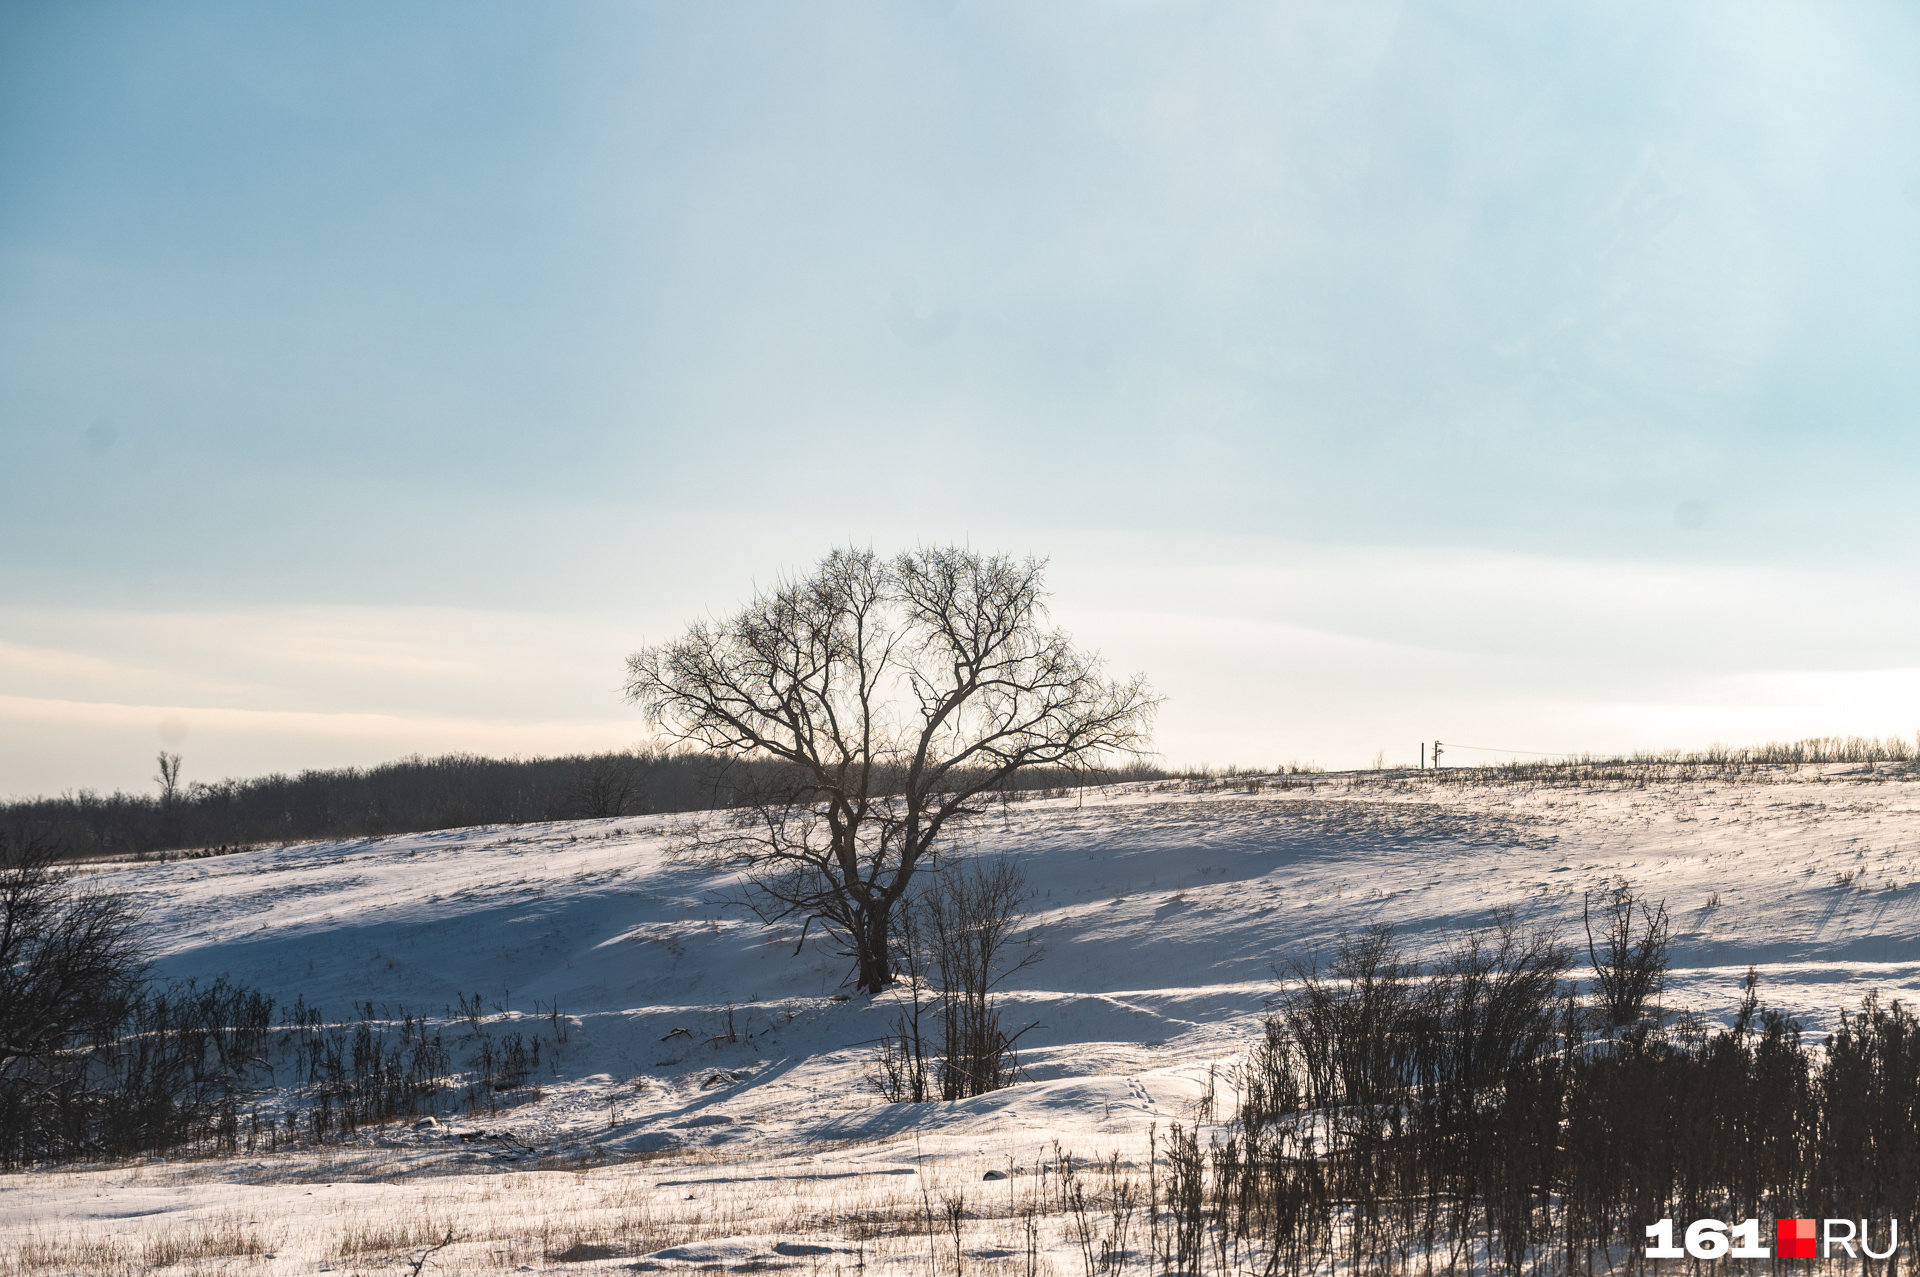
pixel 754 1138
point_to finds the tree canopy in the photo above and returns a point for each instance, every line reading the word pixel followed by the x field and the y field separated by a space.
pixel 891 694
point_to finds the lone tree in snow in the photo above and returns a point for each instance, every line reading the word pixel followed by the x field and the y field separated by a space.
pixel 880 700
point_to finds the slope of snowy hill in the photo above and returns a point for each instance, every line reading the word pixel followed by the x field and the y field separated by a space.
pixel 683 1030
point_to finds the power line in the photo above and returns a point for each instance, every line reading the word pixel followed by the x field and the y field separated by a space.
pixel 1489 749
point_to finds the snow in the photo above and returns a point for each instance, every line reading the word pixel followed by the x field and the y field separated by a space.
pixel 711 1103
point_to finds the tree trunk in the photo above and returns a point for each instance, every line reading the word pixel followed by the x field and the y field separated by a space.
pixel 876 971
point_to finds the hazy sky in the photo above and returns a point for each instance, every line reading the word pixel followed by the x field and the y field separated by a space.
pixel 374 377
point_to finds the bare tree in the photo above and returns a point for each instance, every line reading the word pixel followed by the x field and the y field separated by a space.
pixel 1630 956
pixel 883 699
pixel 973 915
pixel 964 932
pixel 905 1065
pixel 168 778
pixel 69 963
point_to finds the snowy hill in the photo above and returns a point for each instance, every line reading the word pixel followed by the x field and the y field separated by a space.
pixel 1163 910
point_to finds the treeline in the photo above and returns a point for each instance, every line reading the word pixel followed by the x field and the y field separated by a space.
pixel 407 796
pixel 1718 762
pixel 1816 749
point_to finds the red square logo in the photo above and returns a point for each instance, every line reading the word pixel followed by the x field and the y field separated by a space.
pixel 1795 1237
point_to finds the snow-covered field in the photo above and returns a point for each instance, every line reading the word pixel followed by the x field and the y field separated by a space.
pixel 711 1104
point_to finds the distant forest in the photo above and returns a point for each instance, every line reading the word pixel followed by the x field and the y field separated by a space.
pixel 399 797
pixel 407 796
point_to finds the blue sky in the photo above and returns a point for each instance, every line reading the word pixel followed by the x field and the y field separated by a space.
pixel 374 377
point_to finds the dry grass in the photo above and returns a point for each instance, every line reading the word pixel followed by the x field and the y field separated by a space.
pixel 813 1213
pixel 41 1253
pixel 225 1237
pixel 363 1238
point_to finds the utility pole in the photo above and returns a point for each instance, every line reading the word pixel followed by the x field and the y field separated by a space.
pixel 1423 755
pixel 1436 755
